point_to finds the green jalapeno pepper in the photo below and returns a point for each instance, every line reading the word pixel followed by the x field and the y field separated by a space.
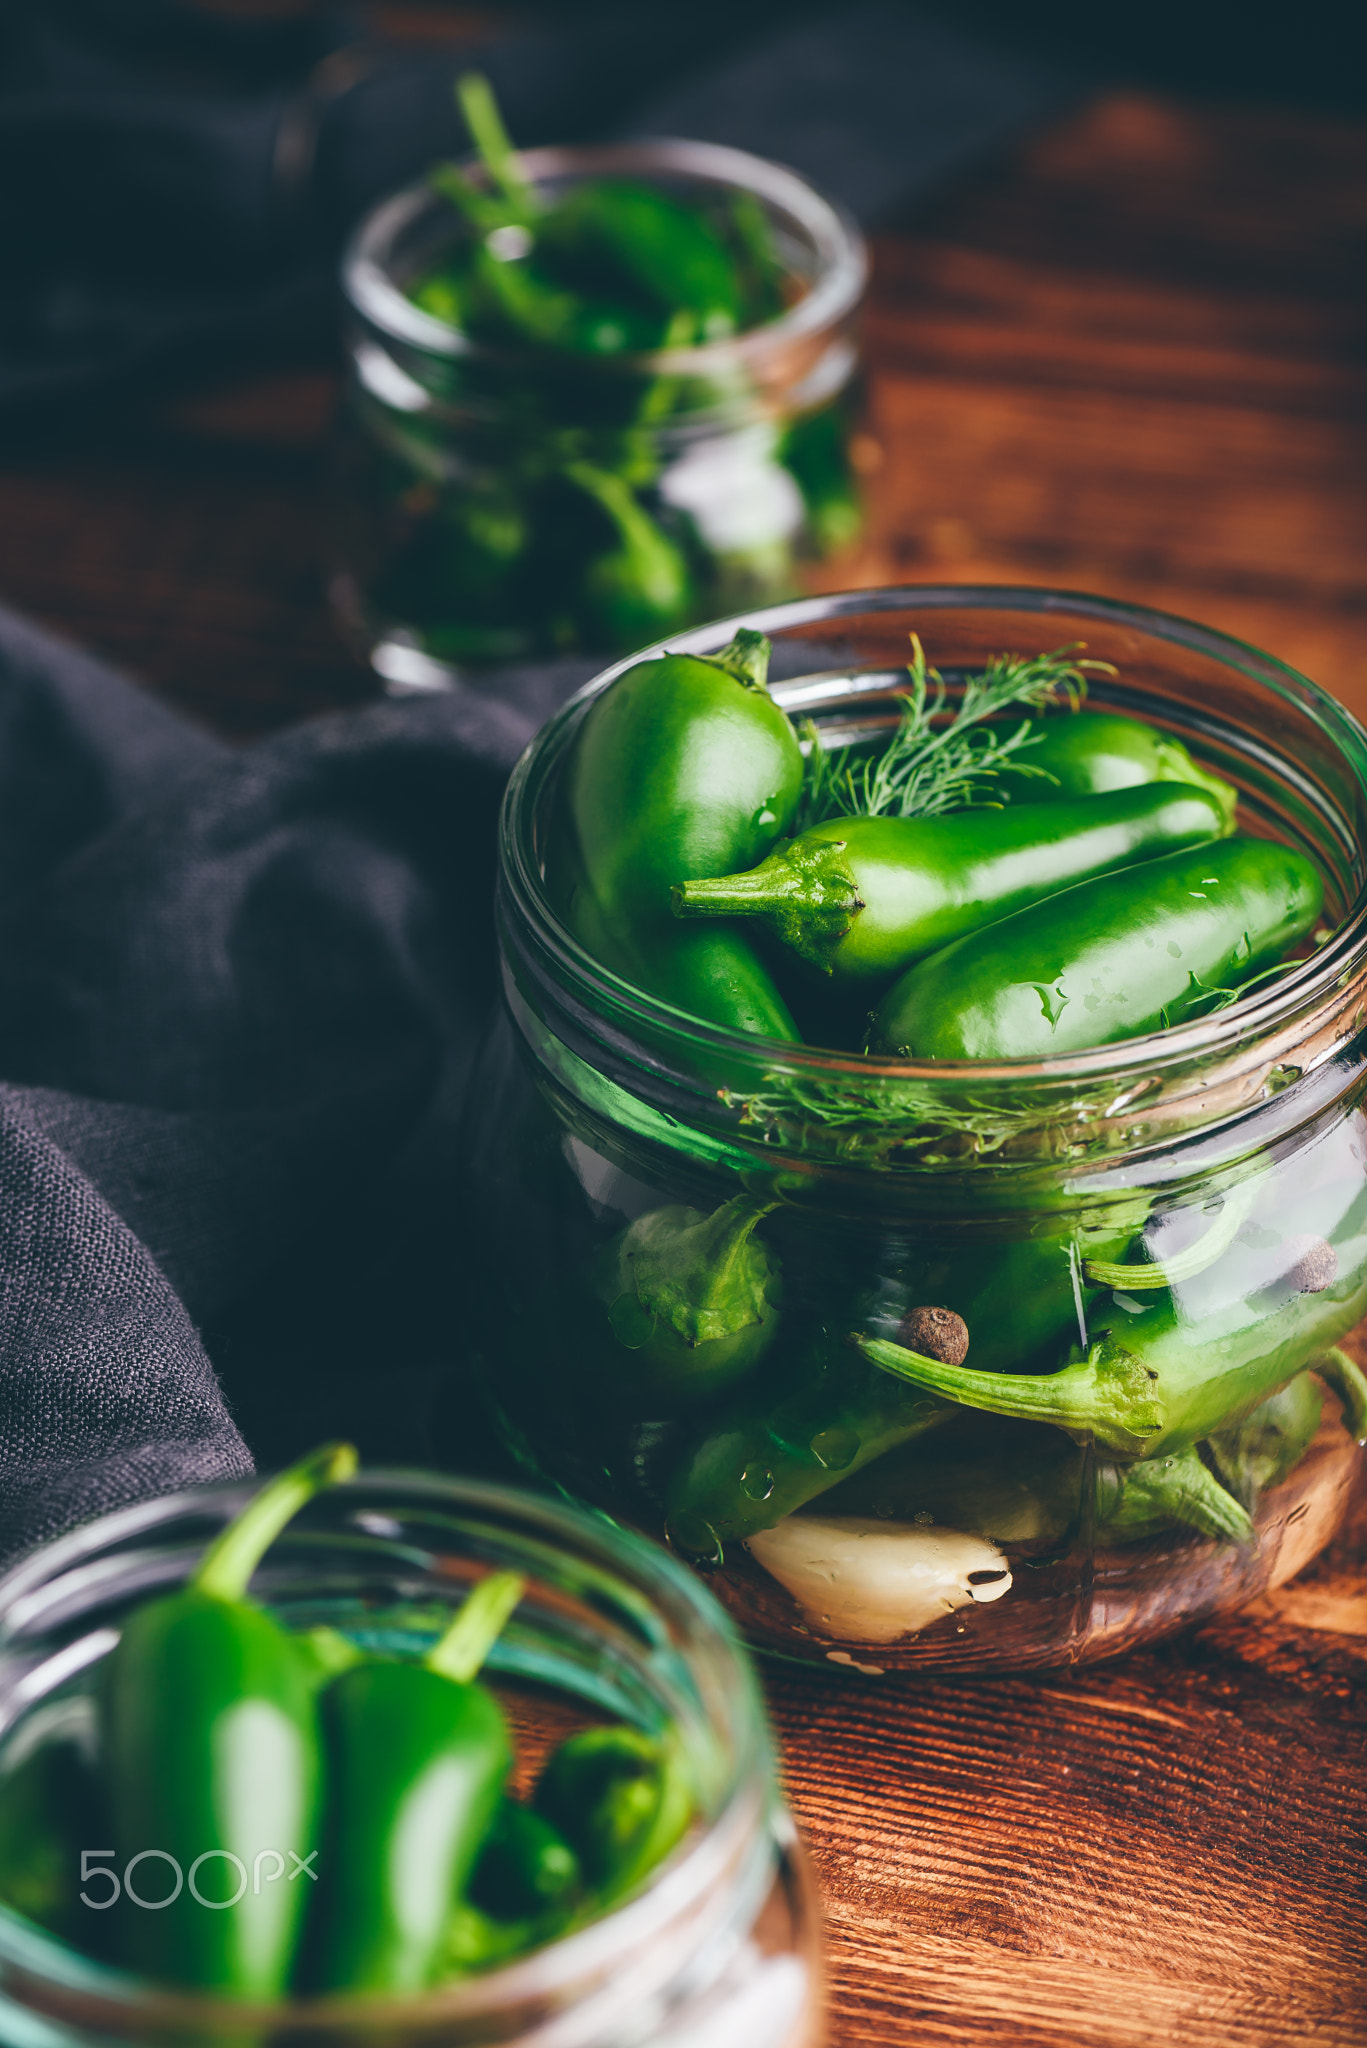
pixel 621 1799
pixel 861 898
pixel 1087 753
pixel 526 1868
pixel 760 1461
pixel 1024 1485
pixel 803 1428
pixel 1139 1500
pixel 1020 1483
pixel 639 589
pixel 684 765
pixel 527 1888
pixel 638 242
pixel 1113 958
pixel 209 1758
pixel 1150 1385
pixel 418 1755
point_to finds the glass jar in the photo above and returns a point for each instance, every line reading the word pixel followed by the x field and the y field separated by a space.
pixel 841 1513
pixel 720 1944
pixel 494 504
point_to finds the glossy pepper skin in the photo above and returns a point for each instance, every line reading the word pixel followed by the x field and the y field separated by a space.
pixel 418 1756
pixel 209 1753
pixel 621 1799
pixel 1089 753
pixel 862 898
pixel 1113 958
pixel 761 1460
pixel 683 766
pixel 526 1868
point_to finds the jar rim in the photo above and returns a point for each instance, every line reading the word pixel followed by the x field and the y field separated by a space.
pixel 694 1620
pixel 1263 1018
pixel 839 247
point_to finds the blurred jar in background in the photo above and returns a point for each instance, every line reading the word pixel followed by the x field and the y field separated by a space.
pixel 495 503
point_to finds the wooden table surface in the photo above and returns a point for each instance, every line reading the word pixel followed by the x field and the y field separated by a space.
pixel 1129 360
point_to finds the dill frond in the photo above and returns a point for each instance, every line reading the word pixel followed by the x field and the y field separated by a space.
pixel 929 766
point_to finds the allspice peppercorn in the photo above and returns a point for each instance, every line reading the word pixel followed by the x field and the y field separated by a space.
pixel 935 1333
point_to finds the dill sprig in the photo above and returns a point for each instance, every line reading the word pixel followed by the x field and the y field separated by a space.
pixel 870 1122
pixel 928 767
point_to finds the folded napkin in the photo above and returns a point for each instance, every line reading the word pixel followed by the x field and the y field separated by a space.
pixel 239 996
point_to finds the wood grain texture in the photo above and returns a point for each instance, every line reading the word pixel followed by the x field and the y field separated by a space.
pixel 1130 361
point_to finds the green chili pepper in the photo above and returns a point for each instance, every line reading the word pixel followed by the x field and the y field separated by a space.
pixel 1134 1501
pixel 825 1414
pixel 626 238
pixel 691 1304
pixel 475 1940
pixel 526 1868
pixel 640 589
pixel 861 898
pixel 683 766
pixel 1346 1379
pixel 770 1452
pixel 1020 1483
pixel 621 1799
pixel 417 1759
pixel 1087 753
pixel 1150 1385
pixel 1112 958
pixel 525 1891
pixel 209 1757
pixel 813 449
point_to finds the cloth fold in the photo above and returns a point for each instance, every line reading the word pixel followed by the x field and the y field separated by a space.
pixel 239 995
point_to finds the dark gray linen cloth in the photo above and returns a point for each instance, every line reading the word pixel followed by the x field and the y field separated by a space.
pixel 239 994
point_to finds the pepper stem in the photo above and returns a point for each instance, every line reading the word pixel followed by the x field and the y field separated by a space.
pixel 1184 1265
pixel 1178 1489
pixel 707 1280
pixel 653 560
pixel 1109 1394
pixel 746 658
pixel 1345 1377
pixel 459 1653
pixel 476 98
pixel 226 1567
pixel 805 891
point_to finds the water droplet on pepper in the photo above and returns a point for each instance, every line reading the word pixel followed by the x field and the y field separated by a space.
pixel 835 1448
pixel 757 1482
